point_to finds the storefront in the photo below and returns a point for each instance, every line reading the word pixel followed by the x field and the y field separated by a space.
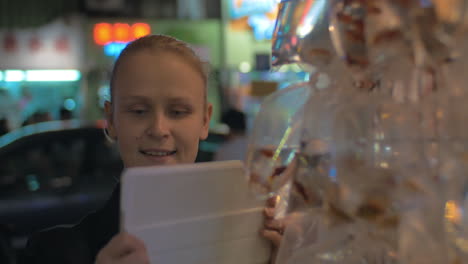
pixel 41 71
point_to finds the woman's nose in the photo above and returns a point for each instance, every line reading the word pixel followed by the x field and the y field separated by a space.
pixel 159 126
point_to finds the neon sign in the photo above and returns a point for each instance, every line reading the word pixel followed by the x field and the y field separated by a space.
pixel 261 15
pixel 105 33
pixel 114 49
pixel 40 75
pixel 262 26
pixel 243 8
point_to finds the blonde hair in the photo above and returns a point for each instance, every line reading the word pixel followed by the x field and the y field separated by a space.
pixel 161 43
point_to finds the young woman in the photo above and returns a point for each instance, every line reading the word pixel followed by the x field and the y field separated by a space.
pixel 157 115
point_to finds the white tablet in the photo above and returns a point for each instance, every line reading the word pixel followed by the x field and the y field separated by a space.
pixel 198 213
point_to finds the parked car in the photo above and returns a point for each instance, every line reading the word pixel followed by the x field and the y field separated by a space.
pixel 54 173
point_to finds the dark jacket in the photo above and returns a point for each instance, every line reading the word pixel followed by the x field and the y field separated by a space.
pixel 77 244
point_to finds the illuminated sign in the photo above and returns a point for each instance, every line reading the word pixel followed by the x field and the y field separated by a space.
pixel 243 8
pixel 52 75
pixel 105 33
pixel 261 16
pixel 56 45
pixel 114 49
pixel 40 75
pixel 140 30
pixel 262 26
pixel 14 76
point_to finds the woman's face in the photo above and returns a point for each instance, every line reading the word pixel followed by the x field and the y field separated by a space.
pixel 159 112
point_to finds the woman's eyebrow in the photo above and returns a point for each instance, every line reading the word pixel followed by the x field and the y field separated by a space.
pixel 135 98
pixel 179 99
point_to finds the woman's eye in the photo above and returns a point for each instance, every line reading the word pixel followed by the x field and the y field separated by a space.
pixel 138 111
pixel 179 113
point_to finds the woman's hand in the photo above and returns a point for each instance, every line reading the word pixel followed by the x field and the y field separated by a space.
pixel 122 249
pixel 273 228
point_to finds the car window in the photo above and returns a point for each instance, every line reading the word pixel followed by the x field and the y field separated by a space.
pixel 58 161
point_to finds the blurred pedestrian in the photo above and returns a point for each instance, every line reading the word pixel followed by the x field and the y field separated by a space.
pixel 4 126
pixel 65 114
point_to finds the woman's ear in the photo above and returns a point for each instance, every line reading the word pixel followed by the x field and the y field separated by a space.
pixel 206 121
pixel 109 114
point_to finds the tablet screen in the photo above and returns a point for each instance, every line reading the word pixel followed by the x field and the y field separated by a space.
pixel 194 213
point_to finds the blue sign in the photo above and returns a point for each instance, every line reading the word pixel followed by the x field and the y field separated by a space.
pixel 114 49
pixel 243 8
pixel 262 26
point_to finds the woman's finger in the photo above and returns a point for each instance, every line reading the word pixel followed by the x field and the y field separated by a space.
pixel 137 257
pixel 277 225
pixel 269 213
pixel 272 235
pixel 123 244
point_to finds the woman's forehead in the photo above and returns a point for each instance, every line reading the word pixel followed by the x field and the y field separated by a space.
pixel 156 59
pixel 148 74
pixel 156 92
pixel 169 99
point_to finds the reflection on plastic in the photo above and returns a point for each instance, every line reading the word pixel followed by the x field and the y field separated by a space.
pixel 301 33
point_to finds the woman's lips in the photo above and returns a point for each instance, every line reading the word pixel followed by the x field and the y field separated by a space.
pixel 158 156
pixel 158 153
